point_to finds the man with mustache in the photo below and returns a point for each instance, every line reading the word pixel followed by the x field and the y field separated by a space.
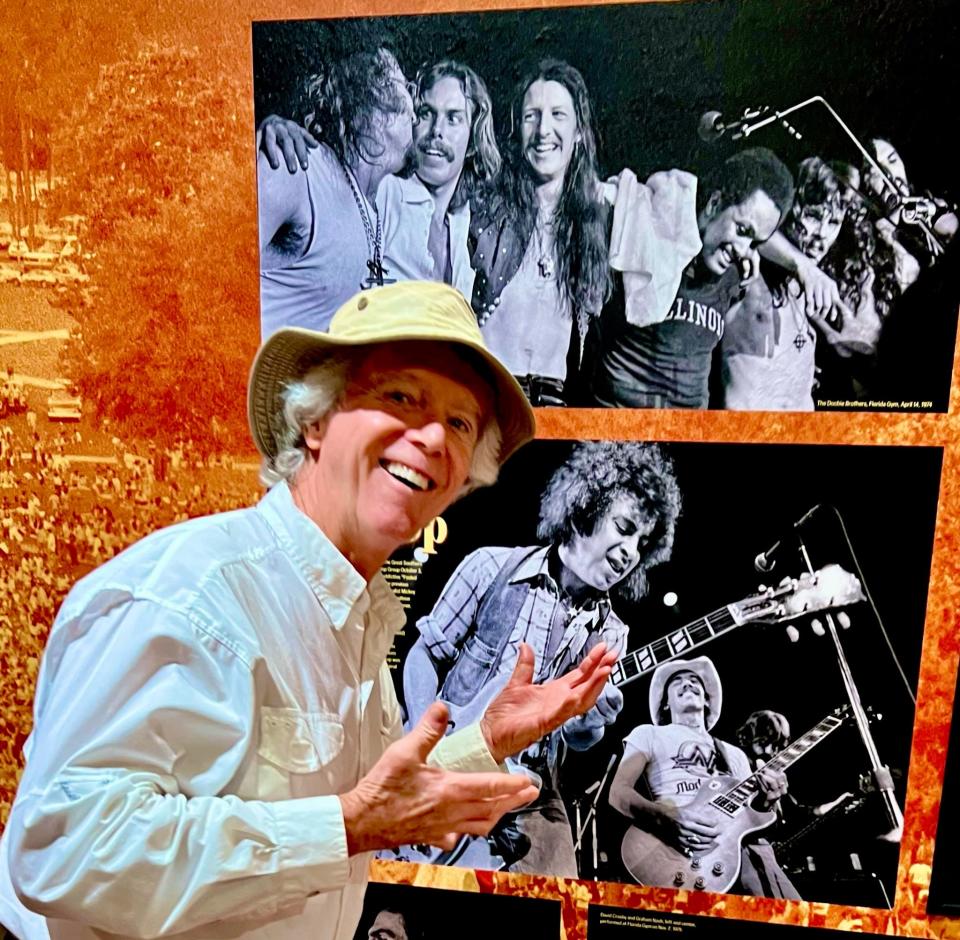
pixel 425 212
pixel 667 762
pixel 656 358
pixel 608 514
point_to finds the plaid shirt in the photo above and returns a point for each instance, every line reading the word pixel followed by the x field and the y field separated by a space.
pixel 447 626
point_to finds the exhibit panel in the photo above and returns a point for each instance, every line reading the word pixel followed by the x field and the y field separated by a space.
pixel 714 243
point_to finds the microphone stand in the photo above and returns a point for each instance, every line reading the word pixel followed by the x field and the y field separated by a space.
pixel 591 818
pixel 881 773
pixel 755 118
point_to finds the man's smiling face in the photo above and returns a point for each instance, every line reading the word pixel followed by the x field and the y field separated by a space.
pixel 396 451
pixel 730 233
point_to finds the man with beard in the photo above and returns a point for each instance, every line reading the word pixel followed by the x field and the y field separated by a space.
pixel 425 213
pixel 661 358
pixel 608 515
pixel 321 234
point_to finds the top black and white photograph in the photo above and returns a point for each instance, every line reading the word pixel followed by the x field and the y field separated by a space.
pixel 744 204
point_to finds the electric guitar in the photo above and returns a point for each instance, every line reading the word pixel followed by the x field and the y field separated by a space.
pixel 825 589
pixel 726 802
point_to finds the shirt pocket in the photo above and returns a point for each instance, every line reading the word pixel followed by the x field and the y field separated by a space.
pixel 470 672
pixel 299 742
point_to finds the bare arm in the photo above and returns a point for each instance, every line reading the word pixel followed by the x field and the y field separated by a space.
pixel 821 296
pixel 281 137
pixel 675 825
pixel 285 214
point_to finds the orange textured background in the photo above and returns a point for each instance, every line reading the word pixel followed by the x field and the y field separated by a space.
pixel 223 27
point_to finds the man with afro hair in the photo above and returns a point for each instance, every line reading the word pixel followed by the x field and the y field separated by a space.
pixel 607 515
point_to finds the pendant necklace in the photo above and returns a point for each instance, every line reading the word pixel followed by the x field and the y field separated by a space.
pixel 374 238
pixel 546 262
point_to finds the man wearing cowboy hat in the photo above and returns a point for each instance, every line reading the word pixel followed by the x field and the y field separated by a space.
pixel 672 757
pixel 217 744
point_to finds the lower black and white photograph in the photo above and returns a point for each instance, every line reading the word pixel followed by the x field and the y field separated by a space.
pixel 766 604
pixel 408 912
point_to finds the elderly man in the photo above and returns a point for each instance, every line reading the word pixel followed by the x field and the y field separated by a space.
pixel 426 213
pixel 217 743
pixel 667 763
pixel 608 515
pixel 321 235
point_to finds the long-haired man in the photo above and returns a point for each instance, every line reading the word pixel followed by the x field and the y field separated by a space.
pixel 540 239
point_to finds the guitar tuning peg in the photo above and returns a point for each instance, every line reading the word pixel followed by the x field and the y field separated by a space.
pixel 817 627
pixel 761 588
pixel 843 618
pixel 793 634
pixel 784 580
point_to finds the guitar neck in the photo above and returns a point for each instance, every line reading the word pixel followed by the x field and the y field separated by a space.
pixel 641 661
pixel 744 791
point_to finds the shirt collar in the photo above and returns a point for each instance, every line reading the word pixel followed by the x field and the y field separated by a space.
pixel 536 567
pixel 413 192
pixel 338 586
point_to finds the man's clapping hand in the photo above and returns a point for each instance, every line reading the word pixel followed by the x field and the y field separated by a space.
pixel 403 799
pixel 523 712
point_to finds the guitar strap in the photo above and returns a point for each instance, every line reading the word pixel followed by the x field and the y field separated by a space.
pixel 722 764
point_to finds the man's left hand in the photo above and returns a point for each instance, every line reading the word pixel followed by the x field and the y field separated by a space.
pixel 773 785
pixel 523 712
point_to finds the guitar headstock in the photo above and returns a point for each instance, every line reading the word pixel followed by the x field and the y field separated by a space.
pixel 824 589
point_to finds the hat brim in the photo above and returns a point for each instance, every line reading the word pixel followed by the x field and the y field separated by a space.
pixel 292 351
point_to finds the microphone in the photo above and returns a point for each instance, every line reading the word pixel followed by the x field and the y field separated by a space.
pixel 765 561
pixel 600 782
pixel 712 127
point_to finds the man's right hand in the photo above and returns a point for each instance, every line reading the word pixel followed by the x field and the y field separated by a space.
pixel 403 799
pixel 280 136
pixel 685 827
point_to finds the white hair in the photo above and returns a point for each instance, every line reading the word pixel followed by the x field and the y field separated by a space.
pixel 308 401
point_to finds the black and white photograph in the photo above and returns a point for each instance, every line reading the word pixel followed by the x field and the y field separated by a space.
pixel 741 205
pixel 766 603
pixel 407 912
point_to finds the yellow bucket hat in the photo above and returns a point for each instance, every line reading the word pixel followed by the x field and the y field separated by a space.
pixel 408 310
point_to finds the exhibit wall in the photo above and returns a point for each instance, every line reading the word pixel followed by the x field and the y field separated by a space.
pixel 812 546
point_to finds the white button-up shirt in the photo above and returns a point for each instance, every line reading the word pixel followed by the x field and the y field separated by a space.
pixel 203 699
pixel 406 208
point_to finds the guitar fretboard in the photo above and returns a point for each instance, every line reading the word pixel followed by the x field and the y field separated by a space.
pixel 641 661
pixel 731 800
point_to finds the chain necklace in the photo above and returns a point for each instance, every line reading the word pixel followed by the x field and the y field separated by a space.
pixel 545 247
pixel 374 239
